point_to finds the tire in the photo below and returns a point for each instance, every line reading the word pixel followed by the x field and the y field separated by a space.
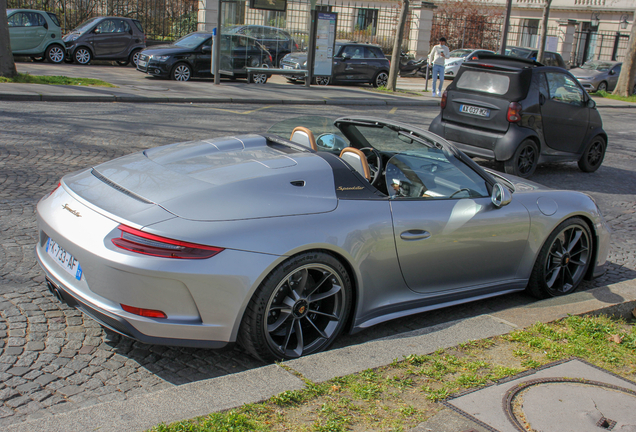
pixel 134 58
pixel 563 260
pixel 322 81
pixel 593 155
pixel 320 289
pixel 82 56
pixel 181 72
pixel 602 86
pixel 380 79
pixel 55 54
pixel 524 161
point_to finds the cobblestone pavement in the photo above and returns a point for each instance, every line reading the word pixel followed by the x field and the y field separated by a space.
pixel 53 359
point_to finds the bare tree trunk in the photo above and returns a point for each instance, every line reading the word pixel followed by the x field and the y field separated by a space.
pixel 397 46
pixel 625 84
pixel 544 30
pixel 7 65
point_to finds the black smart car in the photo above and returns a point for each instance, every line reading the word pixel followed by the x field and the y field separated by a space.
pixel 106 38
pixel 521 113
pixel 191 56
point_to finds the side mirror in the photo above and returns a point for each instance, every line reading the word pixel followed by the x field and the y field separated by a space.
pixel 96 31
pixel 331 142
pixel 612 72
pixel 500 195
pixel 591 103
pixel 346 56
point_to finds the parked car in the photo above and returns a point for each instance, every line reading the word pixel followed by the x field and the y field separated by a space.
pixel 106 38
pixel 260 240
pixel 598 75
pixel 520 113
pixel 549 58
pixel 36 34
pixel 191 57
pixel 278 42
pixel 352 63
pixel 459 56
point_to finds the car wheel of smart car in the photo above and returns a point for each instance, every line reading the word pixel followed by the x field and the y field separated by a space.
pixel 593 155
pixel 381 79
pixel 524 161
pixel 323 80
pixel 299 309
pixel 83 56
pixel 134 58
pixel 181 72
pixel 602 86
pixel 55 54
pixel 563 260
pixel 258 78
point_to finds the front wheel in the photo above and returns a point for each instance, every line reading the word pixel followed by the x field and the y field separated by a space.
pixel 524 161
pixel 299 309
pixel 381 79
pixel 55 54
pixel 563 261
pixel 257 78
pixel 181 72
pixel 83 56
pixel 322 80
pixel 593 155
pixel 602 87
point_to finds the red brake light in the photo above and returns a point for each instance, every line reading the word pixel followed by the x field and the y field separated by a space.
pixel 270 59
pixel 55 188
pixel 296 46
pixel 442 103
pixel 144 243
pixel 149 313
pixel 514 112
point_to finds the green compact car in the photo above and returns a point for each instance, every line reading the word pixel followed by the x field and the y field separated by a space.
pixel 36 34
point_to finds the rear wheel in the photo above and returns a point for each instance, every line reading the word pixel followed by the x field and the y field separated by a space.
pixel 593 155
pixel 134 58
pixel 299 309
pixel 83 56
pixel 55 54
pixel 257 78
pixel 381 79
pixel 524 161
pixel 181 72
pixel 563 261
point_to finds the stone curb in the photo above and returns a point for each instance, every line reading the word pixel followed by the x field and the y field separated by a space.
pixel 230 391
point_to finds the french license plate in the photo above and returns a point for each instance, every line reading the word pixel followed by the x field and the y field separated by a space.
pixel 469 109
pixel 142 63
pixel 64 259
pixel 287 67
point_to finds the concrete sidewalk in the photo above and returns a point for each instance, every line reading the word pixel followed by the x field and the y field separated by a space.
pixel 230 391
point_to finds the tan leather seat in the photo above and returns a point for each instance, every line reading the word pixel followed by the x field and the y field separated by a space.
pixel 357 160
pixel 303 136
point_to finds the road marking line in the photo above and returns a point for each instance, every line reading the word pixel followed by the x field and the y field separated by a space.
pixel 242 112
pixel 393 110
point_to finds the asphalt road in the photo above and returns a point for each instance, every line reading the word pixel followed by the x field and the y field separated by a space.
pixel 52 359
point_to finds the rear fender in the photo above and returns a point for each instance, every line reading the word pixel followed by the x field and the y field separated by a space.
pixel 507 145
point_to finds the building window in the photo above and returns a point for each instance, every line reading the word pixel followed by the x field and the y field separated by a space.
pixel 323 8
pixel 367 20
pixel 530 33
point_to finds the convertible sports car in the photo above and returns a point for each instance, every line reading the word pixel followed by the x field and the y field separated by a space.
pixel 281 244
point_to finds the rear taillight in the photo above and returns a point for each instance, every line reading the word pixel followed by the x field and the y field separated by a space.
pixel 144 243
pixel 270 59
pixel 296 45
pixel 149 313
pixel 442 103
pixel 514 112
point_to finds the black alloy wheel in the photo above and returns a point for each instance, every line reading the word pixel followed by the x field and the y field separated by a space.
pixel 593 155
pixel 299 309
pixel 381 79
pixel 524 161
pixel 563 260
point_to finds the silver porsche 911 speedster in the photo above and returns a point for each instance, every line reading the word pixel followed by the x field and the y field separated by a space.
pixel 280 241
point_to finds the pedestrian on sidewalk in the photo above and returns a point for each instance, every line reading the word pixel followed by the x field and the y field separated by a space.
pixel 437 58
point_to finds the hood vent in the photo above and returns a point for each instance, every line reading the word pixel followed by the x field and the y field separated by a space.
pixel 119 188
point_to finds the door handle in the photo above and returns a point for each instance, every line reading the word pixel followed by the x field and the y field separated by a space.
pixel 415 234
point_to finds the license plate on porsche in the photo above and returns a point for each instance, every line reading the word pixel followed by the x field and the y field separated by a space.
pixel 142 63
pixel 469 109
pixel 64 259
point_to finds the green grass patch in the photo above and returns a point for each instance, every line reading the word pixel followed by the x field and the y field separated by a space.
pixel 385 398
pixel 55 80
pixel 607 95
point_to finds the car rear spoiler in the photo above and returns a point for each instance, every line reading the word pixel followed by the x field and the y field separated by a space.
pixel 502 62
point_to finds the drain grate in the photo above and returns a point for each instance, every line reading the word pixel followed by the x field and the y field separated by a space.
pixel 606 423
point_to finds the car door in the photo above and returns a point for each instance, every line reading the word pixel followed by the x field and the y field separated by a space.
pixel 110 38
pixel 36 30
pixel 203 59
pixel 351 67
pixel 564 111
pixel 612 77
pixel 17 31
pixel 448 234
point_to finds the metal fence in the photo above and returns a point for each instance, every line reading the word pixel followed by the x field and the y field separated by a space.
pixel 598 45
pixel 161 19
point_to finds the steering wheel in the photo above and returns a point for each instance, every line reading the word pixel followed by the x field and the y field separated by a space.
pixel 374 166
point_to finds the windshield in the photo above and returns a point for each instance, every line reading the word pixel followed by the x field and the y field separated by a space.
pixel 486 82
pixel 192 40
pixel 460 53
pixel 518 52
pixel 86 25
pixel 599 66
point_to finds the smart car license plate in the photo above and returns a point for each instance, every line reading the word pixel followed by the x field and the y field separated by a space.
pixel 64 259
pixel 469 109
pixel 142 63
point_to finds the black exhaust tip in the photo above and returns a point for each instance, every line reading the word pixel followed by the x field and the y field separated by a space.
pixel 54 290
